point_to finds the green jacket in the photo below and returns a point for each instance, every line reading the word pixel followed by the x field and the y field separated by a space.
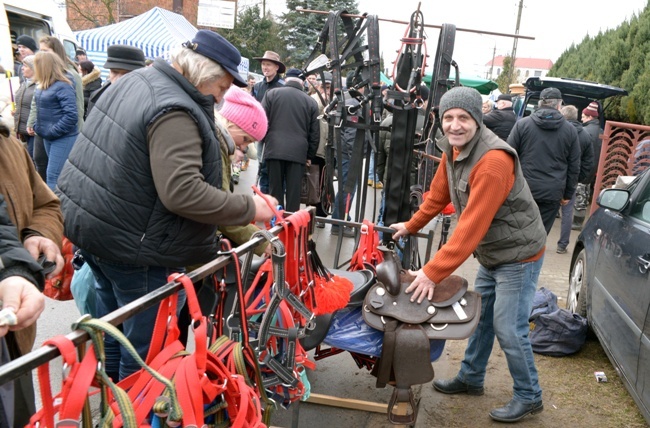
pixel 238 235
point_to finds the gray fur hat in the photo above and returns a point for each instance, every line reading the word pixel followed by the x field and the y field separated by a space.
pixel 469 99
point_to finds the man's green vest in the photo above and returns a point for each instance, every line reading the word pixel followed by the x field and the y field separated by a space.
pixel 517 232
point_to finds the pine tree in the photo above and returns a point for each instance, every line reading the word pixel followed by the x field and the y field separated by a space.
pixel 252 35
pixel 300 30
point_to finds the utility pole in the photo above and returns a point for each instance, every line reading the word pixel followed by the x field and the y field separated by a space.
pixel 515 41
pixel 494 51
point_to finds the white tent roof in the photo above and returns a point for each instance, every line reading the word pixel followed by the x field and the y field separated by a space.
pixel 156 32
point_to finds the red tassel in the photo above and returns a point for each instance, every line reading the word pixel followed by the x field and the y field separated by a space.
pixel 331 295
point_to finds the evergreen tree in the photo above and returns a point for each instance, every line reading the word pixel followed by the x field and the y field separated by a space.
pixel 252 35
pixel 504 80
pixel 300 30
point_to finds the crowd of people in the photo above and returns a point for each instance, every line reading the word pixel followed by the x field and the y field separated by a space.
pixel 144 189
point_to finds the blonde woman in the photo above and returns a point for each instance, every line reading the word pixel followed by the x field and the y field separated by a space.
pixel 56 117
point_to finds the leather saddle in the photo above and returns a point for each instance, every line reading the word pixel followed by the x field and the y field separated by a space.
pixel 408 327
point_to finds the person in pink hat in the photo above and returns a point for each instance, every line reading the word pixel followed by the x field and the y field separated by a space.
pixel 245 121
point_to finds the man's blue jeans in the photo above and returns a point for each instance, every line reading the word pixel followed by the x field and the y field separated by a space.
pixel 506 301
pixel 118 284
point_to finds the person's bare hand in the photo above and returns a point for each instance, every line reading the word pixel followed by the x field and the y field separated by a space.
pixel 268 251
pixel 31 131
pixel 37 245
pixel 400 230
pixel 421 287
pixel 563 202
pixel 24 298
pixel 263 211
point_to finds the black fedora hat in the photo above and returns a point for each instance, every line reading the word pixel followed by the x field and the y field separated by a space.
pixel 214 46
pixel 124 57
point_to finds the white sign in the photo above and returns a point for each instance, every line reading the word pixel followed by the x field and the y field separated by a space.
pixel 216 14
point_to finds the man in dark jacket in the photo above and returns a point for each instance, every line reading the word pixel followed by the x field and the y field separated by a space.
pixel 292 139
pixel 591 123
pixel 272 68
pixel 501 120
pixel 549 152
pixel 570 113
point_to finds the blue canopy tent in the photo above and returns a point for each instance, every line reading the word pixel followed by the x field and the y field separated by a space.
pixel 157 32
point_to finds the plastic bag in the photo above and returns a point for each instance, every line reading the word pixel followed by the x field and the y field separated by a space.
pixel 350 332
pixel 83 290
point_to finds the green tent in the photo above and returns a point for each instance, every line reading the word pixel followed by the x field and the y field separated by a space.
pixel 484 86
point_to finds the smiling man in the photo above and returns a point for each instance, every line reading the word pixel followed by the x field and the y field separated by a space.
pixel 500 224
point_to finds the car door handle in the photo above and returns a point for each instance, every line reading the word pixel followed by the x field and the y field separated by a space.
pixel 644 262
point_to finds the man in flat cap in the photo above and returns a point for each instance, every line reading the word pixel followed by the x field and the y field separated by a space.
pixel 141 191
pixel 549 152
pixel 498 223
pixel 502 119
pixel 272 68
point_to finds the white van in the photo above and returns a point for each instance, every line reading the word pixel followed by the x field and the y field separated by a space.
pixel 35 18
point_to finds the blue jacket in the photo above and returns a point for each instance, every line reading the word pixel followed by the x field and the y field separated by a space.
pixel 57 111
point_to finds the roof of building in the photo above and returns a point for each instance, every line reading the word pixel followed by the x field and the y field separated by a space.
pixel 533 63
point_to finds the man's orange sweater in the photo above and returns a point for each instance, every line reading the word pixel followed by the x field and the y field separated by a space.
pixel 490 183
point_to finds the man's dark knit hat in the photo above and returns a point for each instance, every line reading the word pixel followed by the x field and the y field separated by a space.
pixel 469 99
pixel 28 42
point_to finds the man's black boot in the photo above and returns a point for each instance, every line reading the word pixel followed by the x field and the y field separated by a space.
pixel 515 411
pixel 455 386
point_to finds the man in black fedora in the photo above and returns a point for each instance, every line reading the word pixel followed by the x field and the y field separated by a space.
pixel 121 59
pixel 272 68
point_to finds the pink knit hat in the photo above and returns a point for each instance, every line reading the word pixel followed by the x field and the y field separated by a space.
pixel 591 109
pixel 243 110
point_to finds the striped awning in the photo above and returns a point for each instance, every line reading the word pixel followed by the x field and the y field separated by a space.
pixel 156 32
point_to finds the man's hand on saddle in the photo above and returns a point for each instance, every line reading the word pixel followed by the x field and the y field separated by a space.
pixel 400 230
pixel 421 286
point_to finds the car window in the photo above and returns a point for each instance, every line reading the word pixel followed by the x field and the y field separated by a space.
pixel 641 208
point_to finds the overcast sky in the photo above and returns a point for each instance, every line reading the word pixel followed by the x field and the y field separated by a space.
pixel 555 25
